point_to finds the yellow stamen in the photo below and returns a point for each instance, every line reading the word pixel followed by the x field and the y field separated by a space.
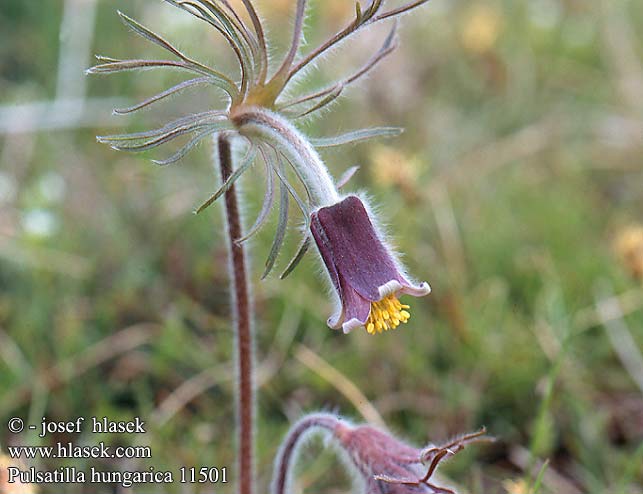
pixel 386 314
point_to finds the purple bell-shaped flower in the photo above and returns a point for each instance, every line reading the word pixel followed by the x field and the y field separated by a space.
pixel 365 274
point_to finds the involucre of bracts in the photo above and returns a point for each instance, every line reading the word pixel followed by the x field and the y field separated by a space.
pixel 257 112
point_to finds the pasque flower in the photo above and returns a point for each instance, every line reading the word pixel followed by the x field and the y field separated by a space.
pixel 383 463
pixel 390 466
pixel 364 272
pixel 261 112
pixel 260 116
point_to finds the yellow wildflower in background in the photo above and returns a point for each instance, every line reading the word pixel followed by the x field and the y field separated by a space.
pixel 515 486
pixel 391 167
pixel 629 248
pixel 481 28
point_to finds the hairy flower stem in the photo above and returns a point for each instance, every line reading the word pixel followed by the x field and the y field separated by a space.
pixel 282 135
pixel 243 324
pixel 283 462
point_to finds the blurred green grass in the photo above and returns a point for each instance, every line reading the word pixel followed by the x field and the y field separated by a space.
pixel 519 168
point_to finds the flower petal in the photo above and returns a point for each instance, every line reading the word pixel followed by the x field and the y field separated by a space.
pixel 405 287
pixel 416 290
pixel 354 311
pixel 344 232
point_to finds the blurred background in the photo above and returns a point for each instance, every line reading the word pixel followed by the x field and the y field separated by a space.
pixel 516 191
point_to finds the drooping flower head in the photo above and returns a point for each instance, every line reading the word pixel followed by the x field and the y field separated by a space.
pixel 383 463
pixel 258 113
pixel 364 272
pixel 390 466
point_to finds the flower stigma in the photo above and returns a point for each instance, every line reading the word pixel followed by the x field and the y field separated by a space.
pixel 386 314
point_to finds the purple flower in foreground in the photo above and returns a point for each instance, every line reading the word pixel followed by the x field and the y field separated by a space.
pixel 365 274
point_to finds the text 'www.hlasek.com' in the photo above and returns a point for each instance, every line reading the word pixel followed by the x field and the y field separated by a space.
pixel 133 473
